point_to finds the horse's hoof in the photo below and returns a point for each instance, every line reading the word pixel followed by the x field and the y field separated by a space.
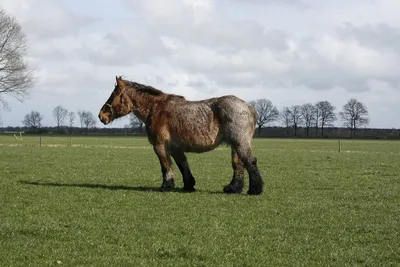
pixel 167 186
pixel 230 189
pixel 254 191
pixel 189 189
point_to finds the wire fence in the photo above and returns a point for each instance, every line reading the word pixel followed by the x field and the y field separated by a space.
pixel 262 144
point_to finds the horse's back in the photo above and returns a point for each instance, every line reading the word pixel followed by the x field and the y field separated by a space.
pixel 224 111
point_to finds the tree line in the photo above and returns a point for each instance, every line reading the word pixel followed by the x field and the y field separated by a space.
pixel 33 120
pixel 320 115
pixel 65 120
pixel 317 117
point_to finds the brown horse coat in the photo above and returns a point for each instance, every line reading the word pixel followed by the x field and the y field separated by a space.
pixel 175 125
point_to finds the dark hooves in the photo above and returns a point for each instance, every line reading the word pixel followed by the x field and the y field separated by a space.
pixel 231 189
pixel 254 191
pixel 189 189
pixel 167 185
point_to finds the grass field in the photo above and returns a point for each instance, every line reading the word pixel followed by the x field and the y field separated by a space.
pixel 94 202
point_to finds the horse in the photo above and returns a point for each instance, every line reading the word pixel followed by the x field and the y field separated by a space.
pixel 175 126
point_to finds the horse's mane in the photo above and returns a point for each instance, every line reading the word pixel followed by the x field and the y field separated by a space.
pixel 147 89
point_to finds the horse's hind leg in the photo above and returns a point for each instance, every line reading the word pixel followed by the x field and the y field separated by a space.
pixel 250 163
pixel 164 157
pixel 237 182
pixel 188 179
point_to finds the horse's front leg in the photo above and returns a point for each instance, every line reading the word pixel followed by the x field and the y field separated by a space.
pixel 164 157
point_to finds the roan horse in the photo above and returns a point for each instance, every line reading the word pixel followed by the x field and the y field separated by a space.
pixel 175 126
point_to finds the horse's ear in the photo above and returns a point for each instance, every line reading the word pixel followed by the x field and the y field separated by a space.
pixel 120 83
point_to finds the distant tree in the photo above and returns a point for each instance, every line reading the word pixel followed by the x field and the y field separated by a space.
pixel 266 112
pixel 88 120
pixel 15 75
pixel 135 122
pixel 295 117
pixel 81 116
pixel 354 115
pixel 59 114
pixel 71 119
pixel 327 114
pixel 286 117
pixel 316 117
pixel 33 120
pixel 308 115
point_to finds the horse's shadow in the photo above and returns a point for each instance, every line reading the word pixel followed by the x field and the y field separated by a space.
pixel 102 186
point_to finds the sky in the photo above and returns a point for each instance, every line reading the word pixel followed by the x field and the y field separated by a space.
pixel 290 52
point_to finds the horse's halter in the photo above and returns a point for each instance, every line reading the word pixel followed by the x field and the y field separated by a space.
pixel 110 105
pixel 111 109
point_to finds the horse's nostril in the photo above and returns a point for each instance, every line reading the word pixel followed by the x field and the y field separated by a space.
pixel 103 120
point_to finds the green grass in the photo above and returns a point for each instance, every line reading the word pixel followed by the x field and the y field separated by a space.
pixel 96 203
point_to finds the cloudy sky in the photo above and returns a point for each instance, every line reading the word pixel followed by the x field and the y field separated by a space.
pixel 288 51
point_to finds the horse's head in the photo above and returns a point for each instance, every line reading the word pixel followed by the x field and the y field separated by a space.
pixel 118 104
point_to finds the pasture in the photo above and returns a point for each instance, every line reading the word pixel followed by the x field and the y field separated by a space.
pixel 95 202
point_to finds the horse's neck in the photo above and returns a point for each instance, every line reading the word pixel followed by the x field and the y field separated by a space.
pixel 142 103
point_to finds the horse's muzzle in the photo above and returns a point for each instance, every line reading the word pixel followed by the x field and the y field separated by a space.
pixel 104 119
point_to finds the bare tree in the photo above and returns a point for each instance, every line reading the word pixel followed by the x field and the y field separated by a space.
pixel 81 116
pixel 354 115
pixel 317 117
pixel 135 122
pixel 71 119
pixel 295 117
pixel 286 117
pixel 266 112
pixel 15 75
pixel 87 120
pixel 327 114
pixel 59 114
pixel 308 115
pixel 33 120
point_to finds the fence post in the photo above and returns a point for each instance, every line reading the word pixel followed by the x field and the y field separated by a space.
pixel 40 141
pixel 339 145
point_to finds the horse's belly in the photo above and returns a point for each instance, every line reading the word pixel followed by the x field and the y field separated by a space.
pixel 199 139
